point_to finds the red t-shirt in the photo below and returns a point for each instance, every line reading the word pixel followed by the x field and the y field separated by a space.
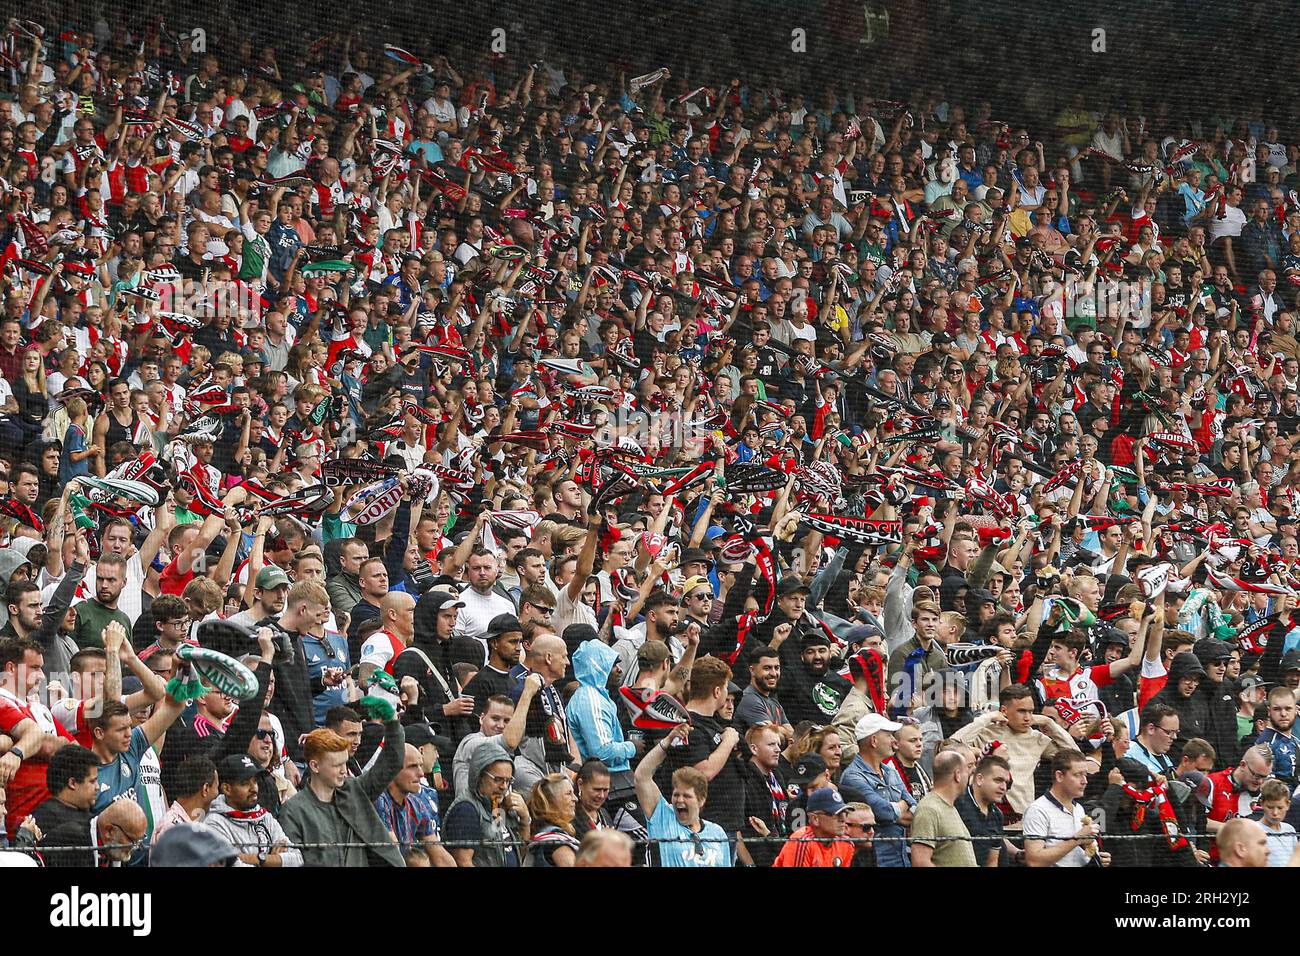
pixel 27 790
pixel 172 580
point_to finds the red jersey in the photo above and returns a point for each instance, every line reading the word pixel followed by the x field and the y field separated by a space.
pixel 27 790
pixel 1083 684
pixel 1228 800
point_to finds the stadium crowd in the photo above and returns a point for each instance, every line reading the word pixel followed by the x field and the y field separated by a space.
pixel 411 462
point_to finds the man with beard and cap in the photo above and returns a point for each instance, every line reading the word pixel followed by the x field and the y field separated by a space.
pixel 1185 675
pixel 1220 727
pixel 809 689
pixel 251 828
pixel 697 601
pixel 430 659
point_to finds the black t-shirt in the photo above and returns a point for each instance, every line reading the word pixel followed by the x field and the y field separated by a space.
pixel 730 193
pixel 980 825
pixel 54 813
pixel 918 782
pixel 725 804
pixel 769 364
pixel 486 682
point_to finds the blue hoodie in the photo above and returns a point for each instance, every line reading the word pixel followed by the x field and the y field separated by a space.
pixel 593 716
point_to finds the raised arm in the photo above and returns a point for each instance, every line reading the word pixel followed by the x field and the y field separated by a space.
pixel 647 792
pixel 586 558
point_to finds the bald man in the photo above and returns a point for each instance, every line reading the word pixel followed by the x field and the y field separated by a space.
pixel 397 631
pixel 115 834
pixel 1242 843
pixel 605 848
pixel 548 745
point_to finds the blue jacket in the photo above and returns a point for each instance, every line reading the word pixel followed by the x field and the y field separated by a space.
pixel 593 716
pixel 881 791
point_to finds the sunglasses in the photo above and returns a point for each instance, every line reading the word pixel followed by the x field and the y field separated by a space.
pixel 265 734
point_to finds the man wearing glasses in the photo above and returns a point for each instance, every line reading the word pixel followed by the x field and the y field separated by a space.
pixel 697 601
pixel 1160 724
pixel 1236 789
pixel 860 825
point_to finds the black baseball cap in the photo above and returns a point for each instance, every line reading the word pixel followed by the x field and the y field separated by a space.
pixel 419 734
pixel 237 768
pixel 807 768
pixel 436 601
pixel 792 584
pixel 502 624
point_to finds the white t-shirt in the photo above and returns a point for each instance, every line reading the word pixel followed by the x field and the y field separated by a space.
pixel 568 611
pixel 1045 816
pixel 444 112
pixel 479 609
pixel 1111 145
pixel 1233 221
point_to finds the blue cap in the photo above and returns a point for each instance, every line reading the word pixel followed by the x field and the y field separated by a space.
pixel 826 800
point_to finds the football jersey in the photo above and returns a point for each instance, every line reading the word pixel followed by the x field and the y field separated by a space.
pixel 381 649
pixel 1083 684
pixel 120 777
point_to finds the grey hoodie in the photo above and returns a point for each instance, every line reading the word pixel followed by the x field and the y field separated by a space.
pixel 10 561
pixel 250 831
pixel 491 853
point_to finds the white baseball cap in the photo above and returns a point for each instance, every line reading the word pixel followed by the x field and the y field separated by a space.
pixel 873 724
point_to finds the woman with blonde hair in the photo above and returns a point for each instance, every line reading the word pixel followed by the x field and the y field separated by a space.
pixel 551 806
pixel 20 429
pixel 823 741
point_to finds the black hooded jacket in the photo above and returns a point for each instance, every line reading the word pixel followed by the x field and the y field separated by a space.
pixel 1193 714
pixel 1220 713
